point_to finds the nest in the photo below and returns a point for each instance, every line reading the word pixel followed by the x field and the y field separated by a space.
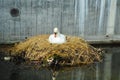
pixel 75 51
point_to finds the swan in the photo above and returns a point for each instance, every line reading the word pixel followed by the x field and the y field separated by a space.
pixel 57 37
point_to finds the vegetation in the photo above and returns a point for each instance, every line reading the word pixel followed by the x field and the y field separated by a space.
pixel 75 51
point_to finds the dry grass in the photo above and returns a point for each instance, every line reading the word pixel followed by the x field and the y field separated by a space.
pixel 75 51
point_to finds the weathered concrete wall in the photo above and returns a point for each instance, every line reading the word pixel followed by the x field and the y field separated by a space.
pixel 86 18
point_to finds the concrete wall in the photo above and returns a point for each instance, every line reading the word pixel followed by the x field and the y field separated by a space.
pixel 85 18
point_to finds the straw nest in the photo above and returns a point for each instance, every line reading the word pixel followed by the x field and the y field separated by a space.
pixel 75 51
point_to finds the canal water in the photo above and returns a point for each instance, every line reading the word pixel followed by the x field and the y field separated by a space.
pixel 109 69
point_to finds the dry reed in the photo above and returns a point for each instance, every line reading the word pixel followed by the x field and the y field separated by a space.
pixel 75 51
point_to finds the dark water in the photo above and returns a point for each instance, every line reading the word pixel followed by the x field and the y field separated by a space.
pixel 109 69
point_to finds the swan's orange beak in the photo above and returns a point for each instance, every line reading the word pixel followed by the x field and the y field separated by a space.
pixel 55 34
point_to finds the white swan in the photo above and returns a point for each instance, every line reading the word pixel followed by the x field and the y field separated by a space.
pixel 56 37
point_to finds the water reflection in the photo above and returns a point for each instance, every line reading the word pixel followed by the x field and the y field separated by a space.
pixel 107 67
pixel 107 70
pixel 15 74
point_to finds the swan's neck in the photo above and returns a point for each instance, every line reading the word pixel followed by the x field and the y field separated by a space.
pixel 56 34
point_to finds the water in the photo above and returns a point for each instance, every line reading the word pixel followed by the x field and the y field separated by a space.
pixel 109 69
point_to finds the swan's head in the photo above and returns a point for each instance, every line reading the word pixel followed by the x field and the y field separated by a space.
pixel 56 31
